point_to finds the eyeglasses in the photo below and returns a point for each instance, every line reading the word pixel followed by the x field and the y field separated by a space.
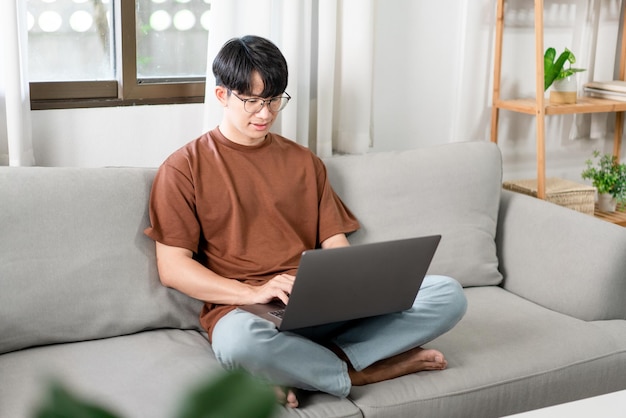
pixel 274 104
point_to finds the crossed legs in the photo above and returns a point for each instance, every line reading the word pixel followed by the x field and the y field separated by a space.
pixel 333 358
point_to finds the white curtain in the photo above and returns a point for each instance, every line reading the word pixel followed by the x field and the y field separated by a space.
pixel 16 147
pixel 329 47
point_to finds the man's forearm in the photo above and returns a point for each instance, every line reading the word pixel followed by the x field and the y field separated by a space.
pixel 336 241
pixel 178 270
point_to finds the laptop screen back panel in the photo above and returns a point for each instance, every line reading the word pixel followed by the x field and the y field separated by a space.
pixel 359 281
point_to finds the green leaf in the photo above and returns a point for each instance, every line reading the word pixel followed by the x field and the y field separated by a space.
pixel 553 71
pixel 60 403
pixel 548 63
pixel 549 56
pixel 569 72
pixel 233 395
pixel 571 58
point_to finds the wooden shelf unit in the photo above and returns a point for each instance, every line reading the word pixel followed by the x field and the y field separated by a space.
pixel 538 106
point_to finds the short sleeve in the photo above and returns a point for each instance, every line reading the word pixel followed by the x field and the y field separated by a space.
pixel 173 208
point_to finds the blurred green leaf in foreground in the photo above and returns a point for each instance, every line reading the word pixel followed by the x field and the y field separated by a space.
pixel 233 395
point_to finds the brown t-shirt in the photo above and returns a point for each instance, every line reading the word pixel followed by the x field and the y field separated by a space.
pixel 247 213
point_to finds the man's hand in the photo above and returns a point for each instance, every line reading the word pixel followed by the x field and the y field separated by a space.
pixel 279 287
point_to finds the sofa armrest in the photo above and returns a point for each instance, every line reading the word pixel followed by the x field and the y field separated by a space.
pixel 562 259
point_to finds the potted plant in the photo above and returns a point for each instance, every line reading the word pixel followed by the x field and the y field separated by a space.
pixel 555 72
pixel 608 176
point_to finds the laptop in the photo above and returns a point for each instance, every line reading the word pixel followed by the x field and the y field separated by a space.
pixel 341 284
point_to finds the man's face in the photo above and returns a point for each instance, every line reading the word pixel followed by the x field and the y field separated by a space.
pixel 240 126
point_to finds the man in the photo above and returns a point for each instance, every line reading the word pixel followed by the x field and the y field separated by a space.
pixel 231 213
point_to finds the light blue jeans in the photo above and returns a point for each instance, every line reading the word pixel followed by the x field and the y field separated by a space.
pixel 241 339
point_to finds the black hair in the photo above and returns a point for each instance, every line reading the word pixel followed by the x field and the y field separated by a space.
pixel 239 58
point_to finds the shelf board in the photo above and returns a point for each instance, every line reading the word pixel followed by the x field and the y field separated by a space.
pixel 584 105
pixel 618 217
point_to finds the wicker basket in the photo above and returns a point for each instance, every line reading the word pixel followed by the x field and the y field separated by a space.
pixel 576 196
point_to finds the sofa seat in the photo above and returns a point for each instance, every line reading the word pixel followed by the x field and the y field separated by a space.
pixel 149 371
pixel 504 353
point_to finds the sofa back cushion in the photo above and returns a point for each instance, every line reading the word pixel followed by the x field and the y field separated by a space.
pixel 75 264
pixel 452 190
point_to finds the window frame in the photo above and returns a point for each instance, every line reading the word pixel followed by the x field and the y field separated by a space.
pixel 126 90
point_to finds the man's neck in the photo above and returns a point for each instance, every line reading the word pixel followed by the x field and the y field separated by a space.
pixel 240 139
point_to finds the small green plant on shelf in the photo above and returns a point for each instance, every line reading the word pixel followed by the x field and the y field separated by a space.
pixel 554 68
pixel 607 175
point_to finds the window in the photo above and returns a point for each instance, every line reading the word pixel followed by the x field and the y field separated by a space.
pixel 88 53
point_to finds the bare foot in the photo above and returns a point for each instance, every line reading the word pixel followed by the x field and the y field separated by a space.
pixel 412 361
pixel 286 397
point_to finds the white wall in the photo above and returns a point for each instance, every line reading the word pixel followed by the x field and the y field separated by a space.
pixel 432 85
pixel 138 136
pixel 415 77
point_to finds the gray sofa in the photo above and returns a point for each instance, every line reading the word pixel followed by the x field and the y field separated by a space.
pixel 80 298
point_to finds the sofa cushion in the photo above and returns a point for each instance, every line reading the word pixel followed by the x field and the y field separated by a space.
pixel 146 372
pixel 507 355
pixel 75 262
pixel 452 190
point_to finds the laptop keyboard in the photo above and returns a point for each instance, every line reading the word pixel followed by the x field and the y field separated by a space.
pixel 278 313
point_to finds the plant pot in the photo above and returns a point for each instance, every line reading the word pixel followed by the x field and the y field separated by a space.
pixel 606 202
pixel 564 91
